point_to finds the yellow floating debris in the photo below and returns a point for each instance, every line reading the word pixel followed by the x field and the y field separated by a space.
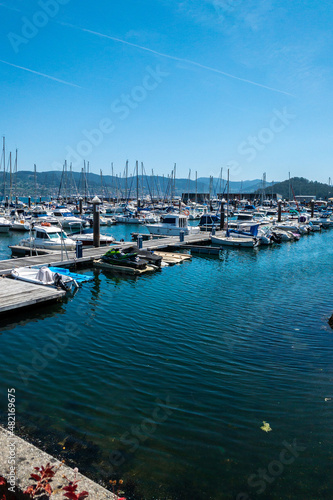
pixel 266 427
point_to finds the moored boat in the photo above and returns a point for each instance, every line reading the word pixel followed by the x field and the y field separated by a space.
pixel 43 276
pixel 48 237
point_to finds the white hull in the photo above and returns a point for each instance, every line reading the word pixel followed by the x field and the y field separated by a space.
pixel 47 246
pixel 161 230
pixel 20 226
pixel 233 242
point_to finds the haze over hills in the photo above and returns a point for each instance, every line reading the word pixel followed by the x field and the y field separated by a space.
pixel 55 183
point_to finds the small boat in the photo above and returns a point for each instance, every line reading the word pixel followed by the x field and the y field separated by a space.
pixel 234 241
pixel 172 224
pixel 5 225
pixel 67 219
pixel 48 237
pixel 209 221
pixel 128 218
pixel 20 225
pixel 44 276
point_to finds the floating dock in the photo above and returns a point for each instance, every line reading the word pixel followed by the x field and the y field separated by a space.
pixel 67 259
pixel 16 294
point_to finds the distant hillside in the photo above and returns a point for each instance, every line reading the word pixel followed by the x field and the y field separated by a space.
pixel 54 183
pixel 301 186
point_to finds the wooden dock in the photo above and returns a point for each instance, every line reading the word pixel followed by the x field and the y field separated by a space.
pixel 67 259
pixel 15 294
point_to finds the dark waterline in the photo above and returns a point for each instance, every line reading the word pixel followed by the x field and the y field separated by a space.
pixel 173 374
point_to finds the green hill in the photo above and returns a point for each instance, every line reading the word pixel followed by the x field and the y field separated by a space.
pixel 302 187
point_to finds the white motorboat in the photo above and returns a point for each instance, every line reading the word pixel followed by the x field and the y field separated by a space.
pixel 44 276
pixel 87 239
pixel 234 241
pixel 172 224
pixel 128 219
pixel 5 225
pixel 67 219
pixel 48 237
pixel 20 225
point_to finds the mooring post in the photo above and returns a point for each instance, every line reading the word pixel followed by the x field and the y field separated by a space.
pixel 279 211
pixel 222 216
pixel 16 201
pixel 29 201
pixel 96 203
pixel 80 205
pixel 312 208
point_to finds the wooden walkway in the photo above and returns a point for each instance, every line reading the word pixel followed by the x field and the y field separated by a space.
pixel 57 259
pixel 15 294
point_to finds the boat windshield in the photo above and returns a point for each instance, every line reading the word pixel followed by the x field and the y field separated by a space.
pixel 54 236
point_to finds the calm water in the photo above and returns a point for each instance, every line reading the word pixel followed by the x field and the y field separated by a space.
pixel 166 380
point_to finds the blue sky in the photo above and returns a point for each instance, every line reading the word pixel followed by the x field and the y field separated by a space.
pixel 206 84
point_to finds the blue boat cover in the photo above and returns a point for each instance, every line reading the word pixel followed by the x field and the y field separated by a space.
pixel 79 278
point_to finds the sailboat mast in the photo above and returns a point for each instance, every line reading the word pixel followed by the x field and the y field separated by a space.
pixel 10 179
pixel 15 177
pixel 137 183
pixel 126 175
pixel 35 182
pixel 228 201
pixel 4 167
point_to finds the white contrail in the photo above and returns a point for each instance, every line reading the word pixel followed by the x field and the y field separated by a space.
pixel 179 59
pixel 10 8
pixel 41 74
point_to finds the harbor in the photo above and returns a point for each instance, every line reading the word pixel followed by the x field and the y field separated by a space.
pixel 120 334
pixel 166 250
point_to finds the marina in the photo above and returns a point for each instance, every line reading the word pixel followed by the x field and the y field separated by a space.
pixel 132 349
pixel 166 250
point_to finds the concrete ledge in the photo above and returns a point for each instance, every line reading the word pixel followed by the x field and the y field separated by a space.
pixel 28 456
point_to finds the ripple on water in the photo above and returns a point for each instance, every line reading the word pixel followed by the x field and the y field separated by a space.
pixel 217 344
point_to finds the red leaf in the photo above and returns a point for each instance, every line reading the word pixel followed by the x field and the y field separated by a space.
pixel 82 495
pixel 70 487
pixel 2 481
pixel 70 495
pixel 36 477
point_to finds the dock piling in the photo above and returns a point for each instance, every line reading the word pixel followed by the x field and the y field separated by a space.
pixel 96 223
pixel 279 211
